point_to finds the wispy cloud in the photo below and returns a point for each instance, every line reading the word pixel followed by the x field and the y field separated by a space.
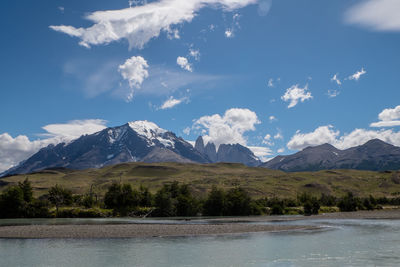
pixel 356 76
pixel 139 24
pixel 336 79
pixel 172 102
pixel 376 15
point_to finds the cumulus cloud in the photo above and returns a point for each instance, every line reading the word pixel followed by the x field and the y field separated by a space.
pixel 134 70
pixel 184 63
pixel 295 94
pixel 327 134
pixel 172 102
pixel 15 149
pixel 229 128
pixel 142 23
pixel 356 76
pixel 388 118
pixel 321 135
pixel 336 79
pixel 377 15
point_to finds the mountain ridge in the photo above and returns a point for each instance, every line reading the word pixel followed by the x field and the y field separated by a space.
pixel 374 155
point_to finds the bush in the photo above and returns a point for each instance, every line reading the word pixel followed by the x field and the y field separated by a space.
pixel 12 203
pixel 348 203
pixel 237 202
pixel 277 209
pixel 215 202
pixel 60 196
pixel 121 198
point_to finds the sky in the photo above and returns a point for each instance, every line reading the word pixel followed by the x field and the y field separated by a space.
pixel 274 75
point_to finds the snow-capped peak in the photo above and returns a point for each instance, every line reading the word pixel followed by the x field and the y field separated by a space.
pixel 150 131
pixel 147 129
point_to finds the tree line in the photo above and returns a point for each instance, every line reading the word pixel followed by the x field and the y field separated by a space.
pixel 171 200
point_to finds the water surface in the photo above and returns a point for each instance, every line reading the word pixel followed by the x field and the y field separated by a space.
pixel 336 243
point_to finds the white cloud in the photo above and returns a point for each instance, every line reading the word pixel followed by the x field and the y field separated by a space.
pixel 172 102
pixel 333 93
pixel 356 76
pixel 229 128
pixel 74 129
pixel 336 79
pixel 271 82
pixel 281 150
pixel 261 152
pixel 278 136
pixel 390 114
pixel 228 33
pixel 321 135
pixel 186 130
pixel 14 150
pixel 267 140
pixel 385 124
pixel 295 94
pixel 326 134
pixel 184 63
pixel 142 23
pixel 377 15
pixel 134 70
pixel 194 53
pixel 388 118
pixel 272 118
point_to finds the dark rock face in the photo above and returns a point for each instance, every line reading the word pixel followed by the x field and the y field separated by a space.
pixel 375 155
pixel 132 142
pixel 211 152
pixel 237 154
pixel 227 153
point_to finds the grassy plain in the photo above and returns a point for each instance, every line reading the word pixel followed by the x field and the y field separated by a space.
pixel 259 182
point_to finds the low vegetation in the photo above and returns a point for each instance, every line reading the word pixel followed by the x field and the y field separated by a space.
pixel 171 200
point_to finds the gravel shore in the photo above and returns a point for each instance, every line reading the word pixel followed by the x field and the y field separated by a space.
pixel 136 230
pixel 215 226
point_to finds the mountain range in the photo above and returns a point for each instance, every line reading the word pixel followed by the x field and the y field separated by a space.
pixel 138 141
pixel 144 141
pixel 375 155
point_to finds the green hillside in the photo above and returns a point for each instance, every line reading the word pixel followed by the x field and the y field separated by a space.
pixel 259 182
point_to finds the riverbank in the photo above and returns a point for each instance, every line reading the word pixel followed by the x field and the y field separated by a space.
pixel 212 226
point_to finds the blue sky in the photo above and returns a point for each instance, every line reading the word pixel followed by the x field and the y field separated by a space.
pixel 259 73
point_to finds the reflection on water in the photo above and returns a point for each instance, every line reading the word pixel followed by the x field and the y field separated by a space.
pixel 336 243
